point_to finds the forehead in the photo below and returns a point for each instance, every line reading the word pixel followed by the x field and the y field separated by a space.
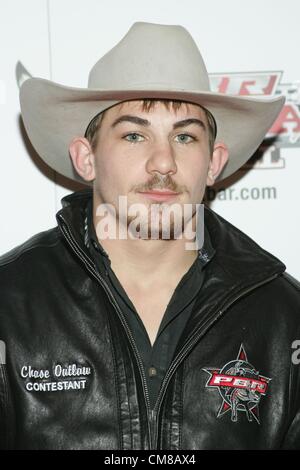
pixel 181 110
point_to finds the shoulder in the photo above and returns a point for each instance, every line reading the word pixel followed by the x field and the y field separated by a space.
pixel 284 288
pixel 277 301
pixel 36 246
pixel 287 292
pixel 293 283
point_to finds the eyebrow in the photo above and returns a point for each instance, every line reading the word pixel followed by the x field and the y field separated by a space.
pixel 145 122
pixel 188 122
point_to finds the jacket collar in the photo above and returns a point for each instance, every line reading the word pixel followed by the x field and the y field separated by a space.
pixel 235 256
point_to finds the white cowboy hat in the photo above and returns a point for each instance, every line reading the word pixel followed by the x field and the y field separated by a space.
pixel 151 61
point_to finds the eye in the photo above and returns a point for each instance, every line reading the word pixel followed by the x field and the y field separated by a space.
pixel 133 137
pixel 185 138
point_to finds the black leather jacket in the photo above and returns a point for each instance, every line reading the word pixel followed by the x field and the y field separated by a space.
pixel 73 377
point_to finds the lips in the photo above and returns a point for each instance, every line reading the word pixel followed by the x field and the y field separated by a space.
pixel 159 195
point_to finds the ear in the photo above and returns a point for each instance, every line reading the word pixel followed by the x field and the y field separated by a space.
pixel 83 158
pixel 217 162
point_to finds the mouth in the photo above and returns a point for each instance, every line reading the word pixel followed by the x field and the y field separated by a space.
pixel 159 195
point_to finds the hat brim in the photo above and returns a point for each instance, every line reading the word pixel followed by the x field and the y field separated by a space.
pixel 54 114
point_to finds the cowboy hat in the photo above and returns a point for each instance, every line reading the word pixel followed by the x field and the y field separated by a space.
pixel 150 61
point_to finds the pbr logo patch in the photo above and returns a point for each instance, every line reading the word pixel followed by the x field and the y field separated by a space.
pixel 240 386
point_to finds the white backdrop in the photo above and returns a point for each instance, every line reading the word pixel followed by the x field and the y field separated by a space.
pixel 244 45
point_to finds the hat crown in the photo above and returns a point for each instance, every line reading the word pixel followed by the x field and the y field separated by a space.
pixel 152 56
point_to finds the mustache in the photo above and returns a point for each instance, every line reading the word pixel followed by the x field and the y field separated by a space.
pixel 159 182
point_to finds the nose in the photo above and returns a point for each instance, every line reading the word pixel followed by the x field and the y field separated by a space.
pixel 161 159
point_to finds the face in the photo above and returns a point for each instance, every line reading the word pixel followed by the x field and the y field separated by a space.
pixel 139 151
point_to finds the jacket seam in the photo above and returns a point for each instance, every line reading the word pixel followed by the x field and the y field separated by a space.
pixel 121 441
pixel 171 416
pixel 178 385
pixel 129 409
pixel 17 256
pixel 292 282
pixel 181 406
pixel 6 405
pixel 3 410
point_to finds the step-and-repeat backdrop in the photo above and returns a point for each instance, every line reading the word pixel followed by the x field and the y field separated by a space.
pixel 249 49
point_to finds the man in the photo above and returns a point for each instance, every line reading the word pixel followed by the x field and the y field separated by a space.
pixel 138 342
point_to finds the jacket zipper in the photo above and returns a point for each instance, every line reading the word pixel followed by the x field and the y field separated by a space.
pixel 191 341
pixel 74 245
